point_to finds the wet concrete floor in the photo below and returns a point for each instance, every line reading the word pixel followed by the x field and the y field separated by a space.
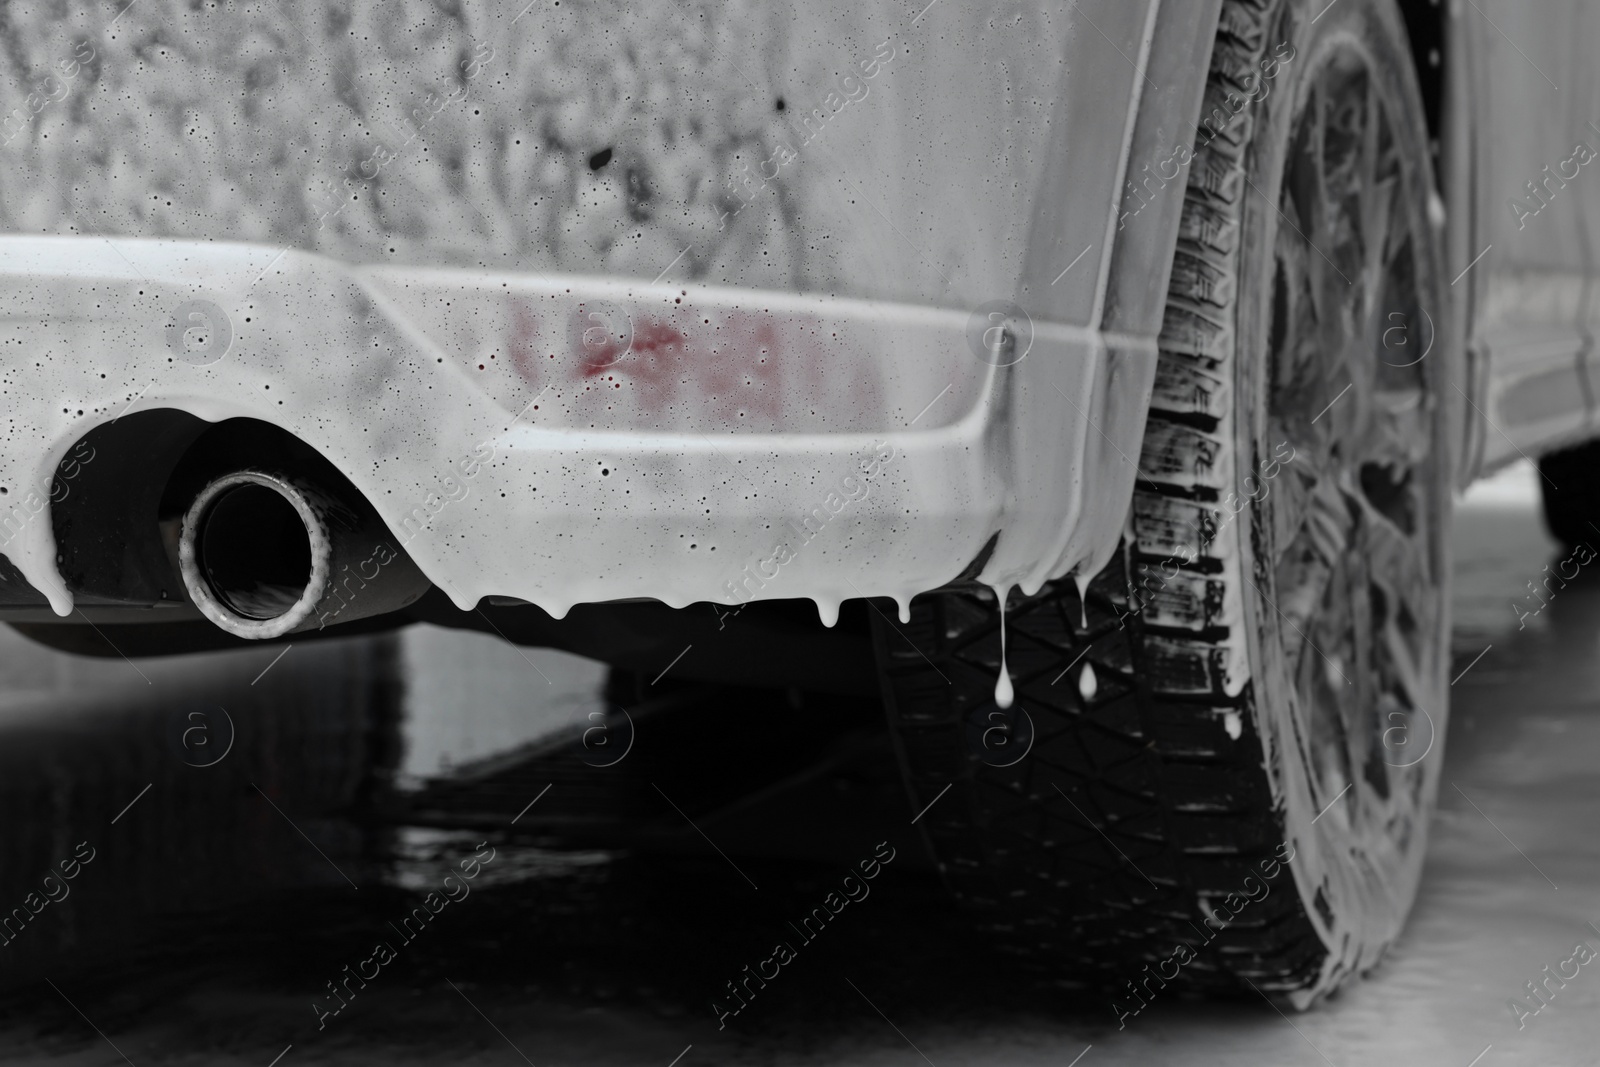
pixel 218 846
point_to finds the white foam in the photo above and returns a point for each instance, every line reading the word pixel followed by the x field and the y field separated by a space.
pixel 1004 694
pixel 1088 684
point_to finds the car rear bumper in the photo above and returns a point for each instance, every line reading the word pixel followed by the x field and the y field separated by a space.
pixel 568 439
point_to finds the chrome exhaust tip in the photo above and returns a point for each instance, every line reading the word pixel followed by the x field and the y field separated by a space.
pixel 255 553
pixel 264 554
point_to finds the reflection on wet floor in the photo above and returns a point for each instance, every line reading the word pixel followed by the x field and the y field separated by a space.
pixel 432 847
pixel 186 783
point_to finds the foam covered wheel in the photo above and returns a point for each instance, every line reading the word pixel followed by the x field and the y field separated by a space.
pixel 1218 771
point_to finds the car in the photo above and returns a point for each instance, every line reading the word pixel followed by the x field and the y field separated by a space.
pixel 1088 378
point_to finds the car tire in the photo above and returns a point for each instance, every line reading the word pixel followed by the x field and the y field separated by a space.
pixel 1220 763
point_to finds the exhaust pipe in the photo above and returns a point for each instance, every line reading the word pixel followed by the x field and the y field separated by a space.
pixel 264 554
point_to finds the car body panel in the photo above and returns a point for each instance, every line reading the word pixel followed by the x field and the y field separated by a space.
pixel 1535 309
pixel 760 373
pixel 540 491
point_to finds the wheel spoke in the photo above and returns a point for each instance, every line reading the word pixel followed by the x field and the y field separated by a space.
pixel 1377 214
pixel 1408 672
pixel 1363 687
pixel 1292 492
pixel 1399 569
pixel 1306 570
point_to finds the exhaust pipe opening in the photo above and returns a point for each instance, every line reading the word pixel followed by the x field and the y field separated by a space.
pixel 254 552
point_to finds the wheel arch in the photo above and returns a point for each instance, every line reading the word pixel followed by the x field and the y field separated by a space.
pixel 1443 55
pixel 1167 116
